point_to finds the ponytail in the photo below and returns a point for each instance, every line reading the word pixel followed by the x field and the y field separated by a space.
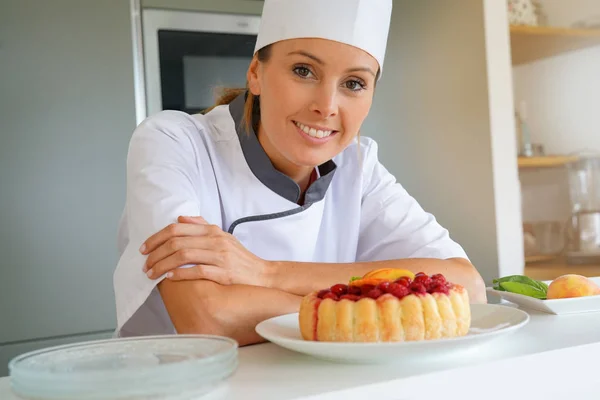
pixel 227 95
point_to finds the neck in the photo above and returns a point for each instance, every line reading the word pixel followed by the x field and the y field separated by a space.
pixel 299 174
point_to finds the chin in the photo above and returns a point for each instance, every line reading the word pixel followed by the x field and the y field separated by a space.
pixel 310 160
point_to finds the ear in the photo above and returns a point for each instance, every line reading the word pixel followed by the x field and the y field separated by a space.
pixel 252 77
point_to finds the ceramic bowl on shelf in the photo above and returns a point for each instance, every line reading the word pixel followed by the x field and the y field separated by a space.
pixel 151 367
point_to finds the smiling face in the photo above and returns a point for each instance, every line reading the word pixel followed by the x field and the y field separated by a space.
pixel 314 97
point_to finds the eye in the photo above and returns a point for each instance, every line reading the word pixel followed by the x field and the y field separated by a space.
pixel 303 72
pixel 354 85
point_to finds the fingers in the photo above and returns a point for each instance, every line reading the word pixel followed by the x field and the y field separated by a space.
pixel 192 220
pixel 206 272
pixel 183 257
pixel 176 244
pixel 177 230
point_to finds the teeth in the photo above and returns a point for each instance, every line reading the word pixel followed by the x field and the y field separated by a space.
pixel 316 133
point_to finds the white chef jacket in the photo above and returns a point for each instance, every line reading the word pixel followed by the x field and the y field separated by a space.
pixel 209 166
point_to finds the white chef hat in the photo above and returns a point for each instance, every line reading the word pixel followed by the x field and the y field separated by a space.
pixel 359 23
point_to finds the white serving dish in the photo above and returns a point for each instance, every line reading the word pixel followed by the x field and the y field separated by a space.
pixel 488 322
pixel 555 306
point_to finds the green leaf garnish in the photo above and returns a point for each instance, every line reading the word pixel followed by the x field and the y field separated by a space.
pixel 521 284
pixel 521 288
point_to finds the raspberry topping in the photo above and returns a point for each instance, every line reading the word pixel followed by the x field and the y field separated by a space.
pixel 400 288
pixel 374 293
pixel 424 279
pixel 438 278
pixel 392 287
pixel 339 289
pixel 400 291
pixel 366 289
pixel 418 288
pixel 354 290
pixel 440 288
pixel 330 296
pixel 404 281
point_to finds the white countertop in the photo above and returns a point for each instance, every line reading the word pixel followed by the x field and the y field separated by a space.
pixel 553 356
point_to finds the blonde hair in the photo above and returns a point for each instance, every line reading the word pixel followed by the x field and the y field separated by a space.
pixel 227 95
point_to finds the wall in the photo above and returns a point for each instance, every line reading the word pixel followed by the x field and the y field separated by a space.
pixel 66 115
pixel 562 95
pixel 447 137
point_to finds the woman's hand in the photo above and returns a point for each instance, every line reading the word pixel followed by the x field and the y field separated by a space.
pixel 218 255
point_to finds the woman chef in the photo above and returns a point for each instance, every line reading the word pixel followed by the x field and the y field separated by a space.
pixel 273 193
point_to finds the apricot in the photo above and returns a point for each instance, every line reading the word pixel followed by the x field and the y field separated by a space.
pixel 389 274
pixel 571 285
pixel 368 281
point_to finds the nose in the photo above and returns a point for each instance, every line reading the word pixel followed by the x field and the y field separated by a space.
pixel 325 102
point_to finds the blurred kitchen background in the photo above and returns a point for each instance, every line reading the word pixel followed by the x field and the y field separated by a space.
pixel 487 113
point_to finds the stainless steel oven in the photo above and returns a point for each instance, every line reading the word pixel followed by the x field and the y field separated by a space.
pixel 183 56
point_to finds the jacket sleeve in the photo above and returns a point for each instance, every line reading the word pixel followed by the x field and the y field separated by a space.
pixel 393 225
pixel 162 179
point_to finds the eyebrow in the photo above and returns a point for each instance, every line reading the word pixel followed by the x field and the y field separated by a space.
pixel 321 62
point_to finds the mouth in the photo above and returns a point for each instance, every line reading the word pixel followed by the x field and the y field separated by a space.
pixel 315 132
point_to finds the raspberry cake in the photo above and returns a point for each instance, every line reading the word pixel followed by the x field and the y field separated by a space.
pixel 386 306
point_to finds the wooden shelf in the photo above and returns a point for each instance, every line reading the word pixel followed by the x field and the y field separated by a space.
pixel 540 258
pixel 531 43
pixel 545 161
pixel 553 269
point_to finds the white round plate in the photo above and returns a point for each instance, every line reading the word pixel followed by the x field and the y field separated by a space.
pixel 488 322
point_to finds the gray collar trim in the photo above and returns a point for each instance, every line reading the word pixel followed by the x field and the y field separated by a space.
pixel 263 169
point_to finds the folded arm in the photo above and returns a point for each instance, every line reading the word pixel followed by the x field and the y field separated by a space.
pixel 292 277
pixel 205 307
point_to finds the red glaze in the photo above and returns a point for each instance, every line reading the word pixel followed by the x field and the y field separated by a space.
pixel 392 287
pixel 366 289
pixel 352 297
pixel 438 288
pixel 418 288
pixel 400 292
pixel 374 294
pixel 330 296
pixel 423 279
pixel 316 319
pixel 323 293
pixel 339 289
pixel 355 290
pixel 383 286
pixel 404 281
